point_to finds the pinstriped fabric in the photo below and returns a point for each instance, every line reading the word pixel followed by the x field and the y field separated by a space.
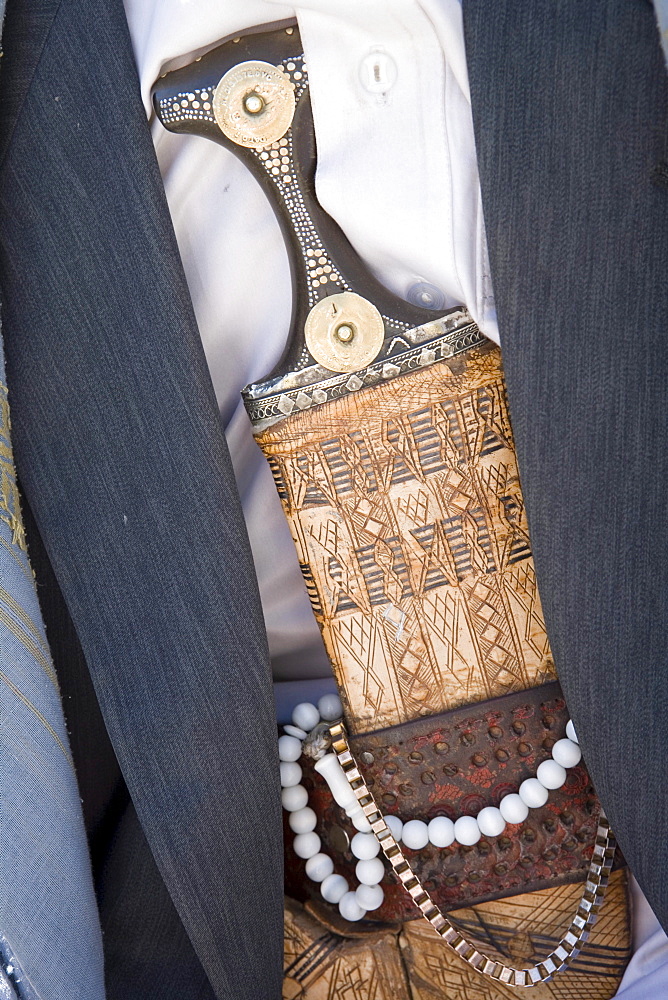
pixel 50 941
pixel 576 225
pixel 124 464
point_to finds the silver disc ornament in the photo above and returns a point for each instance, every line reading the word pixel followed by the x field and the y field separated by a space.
pixel 344 332
pixel 254 104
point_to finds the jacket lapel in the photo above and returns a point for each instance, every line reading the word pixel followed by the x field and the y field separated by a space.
pixel 123 460
pixel 570 108
pixel 39 889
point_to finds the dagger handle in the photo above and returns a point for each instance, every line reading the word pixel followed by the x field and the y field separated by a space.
pixel 322 260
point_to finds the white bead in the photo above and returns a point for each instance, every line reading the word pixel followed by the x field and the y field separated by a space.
pixel 306 845
pixel 330 707
pixel 291 773
pixel 319 867
pixel 467 831
pixel 441 831
pixel 295 731
pixel 289 748
pixel 306 716
pixel 395 826
pixel 570 731
pixel 566 753
pixel 294 797
pixel 370 897
pixel 349 908
pixel 550 774
pixel 491 822
pixel 303 820
pixel 333 888
pixel 369 872
pixel 365 846
pixel 513 809
pixel 533 793
pixel 415 834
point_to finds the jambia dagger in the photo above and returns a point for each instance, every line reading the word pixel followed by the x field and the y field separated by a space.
pixel 387 431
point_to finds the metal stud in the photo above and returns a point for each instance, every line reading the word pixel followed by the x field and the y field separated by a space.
pixel 254 104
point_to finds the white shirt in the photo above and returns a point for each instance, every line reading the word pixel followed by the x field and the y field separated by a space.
pixel 397 170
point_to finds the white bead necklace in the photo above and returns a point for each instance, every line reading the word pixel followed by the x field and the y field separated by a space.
pixel 415 834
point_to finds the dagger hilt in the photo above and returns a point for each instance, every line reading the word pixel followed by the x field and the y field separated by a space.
pixel 348 331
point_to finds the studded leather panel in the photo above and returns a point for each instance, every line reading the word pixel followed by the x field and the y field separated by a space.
pixel 454 764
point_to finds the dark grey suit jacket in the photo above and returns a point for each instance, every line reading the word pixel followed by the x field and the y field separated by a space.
pixel 146 579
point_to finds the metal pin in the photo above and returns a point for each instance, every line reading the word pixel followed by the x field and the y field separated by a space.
pixel 345 333
pixel 253 103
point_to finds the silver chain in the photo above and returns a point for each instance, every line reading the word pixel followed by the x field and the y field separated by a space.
pixel 570 944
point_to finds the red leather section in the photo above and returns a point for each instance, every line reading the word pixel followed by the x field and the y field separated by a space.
pixel 454 764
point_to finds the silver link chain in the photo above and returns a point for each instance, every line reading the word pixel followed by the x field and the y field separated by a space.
pixel 570 944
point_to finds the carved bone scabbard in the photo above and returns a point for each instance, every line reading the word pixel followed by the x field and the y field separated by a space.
pixel 386 427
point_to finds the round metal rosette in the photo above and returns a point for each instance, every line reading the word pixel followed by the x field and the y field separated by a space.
pixel 344 332
pixel 254 104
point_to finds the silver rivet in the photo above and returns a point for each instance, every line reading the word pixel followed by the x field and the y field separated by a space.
pixel 285 404
pixel 345 333
pixel 367 757
pixel 334 316
pixel 427 356
pixel 253 104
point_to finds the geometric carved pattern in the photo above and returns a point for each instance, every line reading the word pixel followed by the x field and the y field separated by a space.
pixel 405 506
pixel 321 964
pixel 340 962
pixel 522 931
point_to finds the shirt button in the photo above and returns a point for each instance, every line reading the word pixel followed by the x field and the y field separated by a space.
pixel 425 295
pixel 378 72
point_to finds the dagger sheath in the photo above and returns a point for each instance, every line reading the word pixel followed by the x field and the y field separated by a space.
pixel 405 506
